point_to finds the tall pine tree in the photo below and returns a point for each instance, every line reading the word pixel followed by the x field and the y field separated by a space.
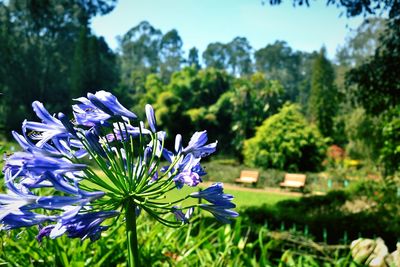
pixel 323 98
pixel 193 58
pixel 94 65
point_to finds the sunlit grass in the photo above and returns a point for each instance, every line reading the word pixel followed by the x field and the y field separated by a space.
pixel 241 198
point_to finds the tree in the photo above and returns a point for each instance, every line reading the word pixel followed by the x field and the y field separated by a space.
pixel 170 54
pixel 193 58
pixel 253 100
pixel 390 151
pixel 361 43
pixel 36 55
pixel 181 104
pixel 363 133
pixel 239 58
pixel 154 86
pixel 199 88
pixel 324 97
pixel 286 141
pixel 357 7
pixel 216 56
pixel 304 86
pixel 235 115
pixel 376 83
pixel 279 62
pixel 94 65
pixel 139 49
pixel 233 57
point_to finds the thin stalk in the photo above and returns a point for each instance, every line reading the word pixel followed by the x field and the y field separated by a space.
pixel 131 235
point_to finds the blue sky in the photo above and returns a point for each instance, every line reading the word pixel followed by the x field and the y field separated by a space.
pixel 200 22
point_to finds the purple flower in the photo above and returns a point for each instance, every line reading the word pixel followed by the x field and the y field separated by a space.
pixel 123 131
pixel 50 127
pixel 178 143
pixel 11 203
pixel 147 153
pixel 94 143
pixel 17 201
pixel 221 213
pixel 28 146
pixel 189 169
pixel 187 177
pixel 198 169
pixel 33 164
pixel 180 216
pixel 62 138
pixel 109 104
pixel 168 155
pixel 49 179
pixel 44 231
pixel 215 195
pixel 67 124
pixel 151 118
pixel 84 225
pixel 23 219
pixel 88 114
pixel 197 145
pixel 153 170
pixel 188 172
pixel 60 202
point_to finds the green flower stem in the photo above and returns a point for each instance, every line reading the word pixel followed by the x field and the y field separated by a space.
pixel 131 235
pixel 162 189
pixel 102 164
pixel 163 221
pixel 167 180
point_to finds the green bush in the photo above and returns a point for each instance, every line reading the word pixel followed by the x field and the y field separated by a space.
pixel 390 152
pixel 286 141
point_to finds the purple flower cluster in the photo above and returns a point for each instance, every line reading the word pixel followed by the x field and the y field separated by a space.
pixel 47 161
pixel 48 175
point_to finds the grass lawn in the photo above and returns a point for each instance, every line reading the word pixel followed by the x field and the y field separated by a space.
pixel 247 198
pixel 241 198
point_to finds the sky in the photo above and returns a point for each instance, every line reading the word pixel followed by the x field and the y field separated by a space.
pixel 200 22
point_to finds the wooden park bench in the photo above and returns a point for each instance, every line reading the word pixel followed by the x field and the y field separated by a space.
pixel 294 180
pixel 248 177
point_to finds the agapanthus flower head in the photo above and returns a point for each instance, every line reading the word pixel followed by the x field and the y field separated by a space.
pixel 123 150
